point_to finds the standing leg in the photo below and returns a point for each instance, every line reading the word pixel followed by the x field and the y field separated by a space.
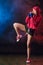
pixel 28 47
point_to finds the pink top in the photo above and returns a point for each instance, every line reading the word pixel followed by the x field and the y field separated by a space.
pixel 32 22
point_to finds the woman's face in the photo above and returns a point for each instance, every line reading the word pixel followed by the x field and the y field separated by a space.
pixel 34 11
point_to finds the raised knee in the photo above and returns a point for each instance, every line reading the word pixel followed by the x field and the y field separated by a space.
pixel 15 25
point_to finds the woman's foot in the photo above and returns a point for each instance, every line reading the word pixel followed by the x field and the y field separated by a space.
pixel 28 61
pixel 18 38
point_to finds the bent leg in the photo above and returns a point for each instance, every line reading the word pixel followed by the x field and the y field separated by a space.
pixel 19 26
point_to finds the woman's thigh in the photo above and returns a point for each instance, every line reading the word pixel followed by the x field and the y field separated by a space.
pixel 29 37
pixel 20 26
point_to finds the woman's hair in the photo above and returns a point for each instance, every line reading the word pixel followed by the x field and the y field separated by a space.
pixel 37 8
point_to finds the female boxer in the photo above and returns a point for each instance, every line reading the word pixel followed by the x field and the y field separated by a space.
pixel 32 21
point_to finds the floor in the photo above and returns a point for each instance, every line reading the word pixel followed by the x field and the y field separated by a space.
pixel 20 60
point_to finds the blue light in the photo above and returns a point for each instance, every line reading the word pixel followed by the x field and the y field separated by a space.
pixel 6 14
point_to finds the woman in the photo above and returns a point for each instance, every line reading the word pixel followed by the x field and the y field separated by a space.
pixel 32 20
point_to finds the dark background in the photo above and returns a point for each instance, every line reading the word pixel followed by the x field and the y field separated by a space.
pixel 12 11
